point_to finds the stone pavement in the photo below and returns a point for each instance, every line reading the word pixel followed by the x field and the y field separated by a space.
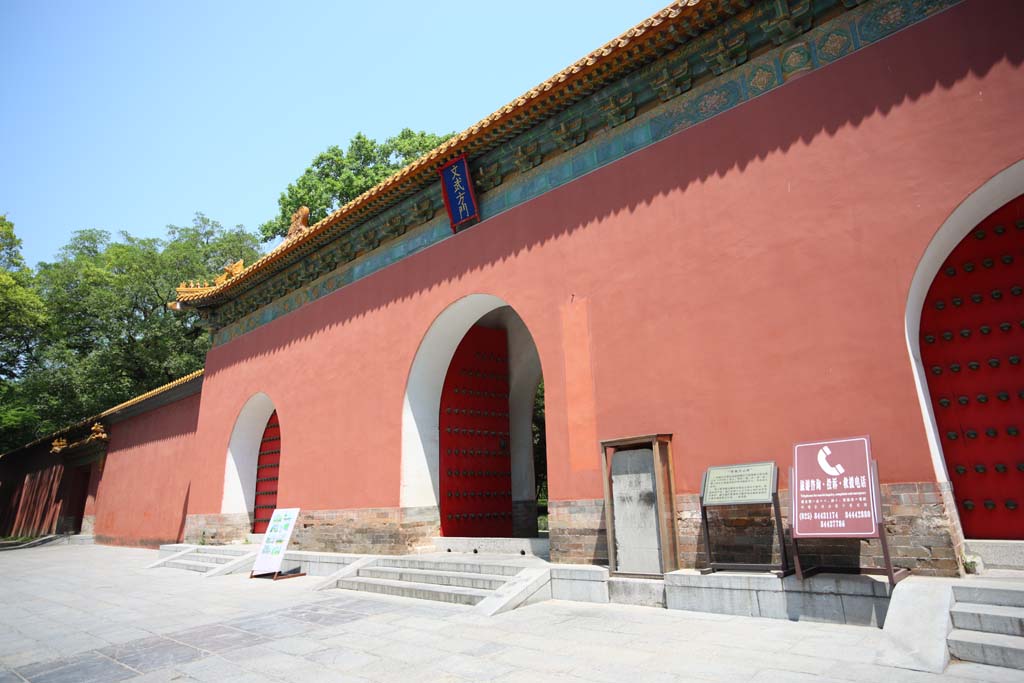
pixel 80 614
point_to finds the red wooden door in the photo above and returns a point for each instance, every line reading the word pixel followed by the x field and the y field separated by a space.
pixel 475 460
pixel 972 340
pixel 266 475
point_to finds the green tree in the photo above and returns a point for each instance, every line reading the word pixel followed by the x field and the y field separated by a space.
pixel 108 334
pixel 338 176
pixel 21 310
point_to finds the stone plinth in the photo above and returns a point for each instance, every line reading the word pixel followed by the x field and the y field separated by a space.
pixel 834 598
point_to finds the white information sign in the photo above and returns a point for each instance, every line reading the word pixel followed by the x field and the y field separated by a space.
pixel 275 541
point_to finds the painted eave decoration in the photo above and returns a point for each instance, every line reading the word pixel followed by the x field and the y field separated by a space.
pixel 678 23
pixel 59 440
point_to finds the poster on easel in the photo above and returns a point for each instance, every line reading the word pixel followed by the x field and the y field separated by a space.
pixel 275 542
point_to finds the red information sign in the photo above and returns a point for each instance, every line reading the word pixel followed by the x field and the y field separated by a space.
pixel 834 490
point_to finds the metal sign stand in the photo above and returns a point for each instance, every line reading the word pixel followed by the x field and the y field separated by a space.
pixel 894 574
pixel 276 576
pixel 781 569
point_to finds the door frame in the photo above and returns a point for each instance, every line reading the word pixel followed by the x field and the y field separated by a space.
pixel 664 477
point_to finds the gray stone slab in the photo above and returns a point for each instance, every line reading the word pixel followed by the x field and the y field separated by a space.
pixel 916 626
pixel 271 625
pixel 644 592
pixel 216 638
pixel 168 653
pixel 324 617
pixel 343 659
pixel 85 668
pixel 579 591
pixel 862 610
pixel 736 602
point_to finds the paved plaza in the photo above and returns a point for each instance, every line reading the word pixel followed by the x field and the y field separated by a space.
pixel 75 614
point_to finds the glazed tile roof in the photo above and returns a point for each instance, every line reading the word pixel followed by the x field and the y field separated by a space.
pixel 111 411
pixel 658 34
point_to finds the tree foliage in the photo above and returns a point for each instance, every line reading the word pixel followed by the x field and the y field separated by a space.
pixel 338 176
pixel 21 310
pixel 91 329
pixel 103 332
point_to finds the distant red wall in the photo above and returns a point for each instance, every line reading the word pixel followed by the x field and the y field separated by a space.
pixel 41 494
pixel 741 285
pixel 144 488
pixel 31 487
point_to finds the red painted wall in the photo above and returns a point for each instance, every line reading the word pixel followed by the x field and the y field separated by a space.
pixel 32 493
pixel 144 488
pixel 741 285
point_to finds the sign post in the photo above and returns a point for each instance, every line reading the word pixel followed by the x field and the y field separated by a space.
pixel 275 542
pixel 751 484
pixel 834 486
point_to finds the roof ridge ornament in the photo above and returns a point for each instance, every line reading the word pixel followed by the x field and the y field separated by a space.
pixel 300 223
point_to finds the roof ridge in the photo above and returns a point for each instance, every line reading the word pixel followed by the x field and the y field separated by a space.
pixel 110 411
pixel 547 89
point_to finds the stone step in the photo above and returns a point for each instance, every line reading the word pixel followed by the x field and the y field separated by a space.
pixel 988 618
pixel 233 551
pixel 979 593
pixel 214 559
pixel 994 649
pixel 442 578
pixel 450 566
pixel 192 565
pixel 409 589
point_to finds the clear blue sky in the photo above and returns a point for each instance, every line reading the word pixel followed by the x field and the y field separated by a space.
pixel 135 115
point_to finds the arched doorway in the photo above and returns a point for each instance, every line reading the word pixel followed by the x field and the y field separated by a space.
pixel 253 463
pixel 971 340
pixel 470 422
pixel 474 440
pixel 267 465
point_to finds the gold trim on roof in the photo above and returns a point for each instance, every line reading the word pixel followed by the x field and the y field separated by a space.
pixel 683 18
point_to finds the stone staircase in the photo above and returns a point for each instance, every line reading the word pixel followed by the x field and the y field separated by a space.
pixel 459 582
pixel 988 623
pixel 210 560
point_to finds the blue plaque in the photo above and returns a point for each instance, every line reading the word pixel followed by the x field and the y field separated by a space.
pixel 457 189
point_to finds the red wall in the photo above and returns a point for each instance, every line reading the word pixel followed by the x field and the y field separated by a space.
pixel 144 488
pixel 741 285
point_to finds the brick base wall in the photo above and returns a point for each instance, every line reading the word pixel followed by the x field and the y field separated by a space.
pixel 389 531
pixel 577 531
pixel 88 525
pixel 218 529
pixel 921 535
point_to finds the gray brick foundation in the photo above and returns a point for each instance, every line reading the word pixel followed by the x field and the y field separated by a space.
pixel 217 529
pixel 577 531
pixel 391 531
pixel 88 525
pixel 921 535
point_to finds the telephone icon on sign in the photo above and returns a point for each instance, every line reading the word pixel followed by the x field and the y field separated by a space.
pixel 823 463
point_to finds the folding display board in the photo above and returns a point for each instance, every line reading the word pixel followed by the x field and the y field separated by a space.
pixel 275 543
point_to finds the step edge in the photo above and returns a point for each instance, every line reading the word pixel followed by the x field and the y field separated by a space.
pixel 981 637
pixel 412 585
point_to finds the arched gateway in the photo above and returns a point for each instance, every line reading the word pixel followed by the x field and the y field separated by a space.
pixel 252 464
pixel 474 446
pixel 971 346
pixel 467 426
